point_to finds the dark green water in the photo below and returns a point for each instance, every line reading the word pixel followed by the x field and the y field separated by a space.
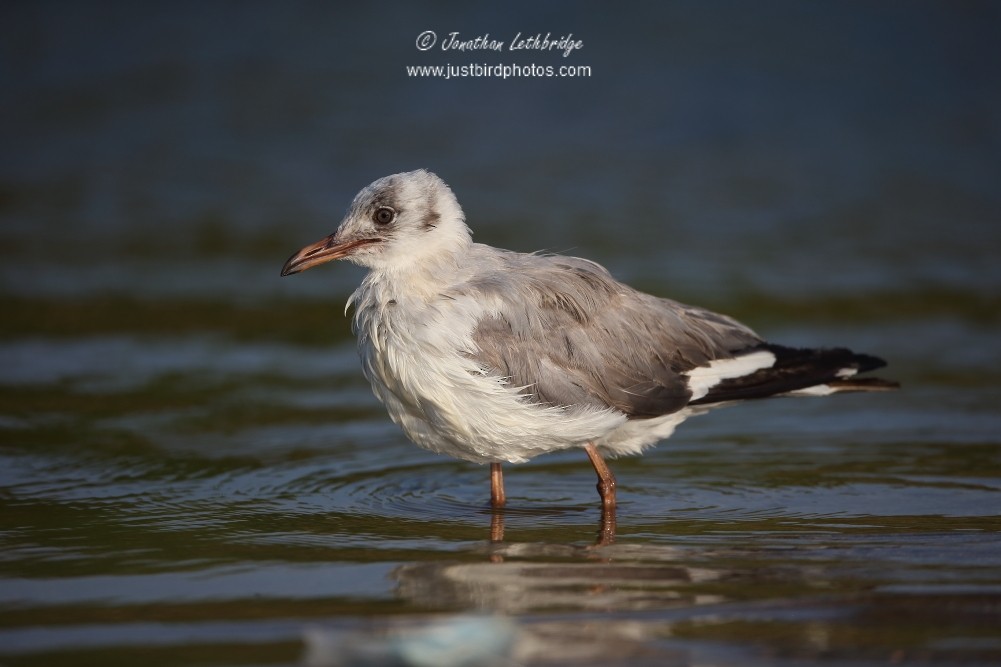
pixel 194 472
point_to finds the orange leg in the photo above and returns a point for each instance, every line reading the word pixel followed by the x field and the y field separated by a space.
pixel 497 498
pixel 606 480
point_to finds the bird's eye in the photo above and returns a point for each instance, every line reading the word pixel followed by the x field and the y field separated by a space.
pixel 383 215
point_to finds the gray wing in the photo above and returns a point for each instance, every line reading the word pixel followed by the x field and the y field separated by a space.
pixel 570 334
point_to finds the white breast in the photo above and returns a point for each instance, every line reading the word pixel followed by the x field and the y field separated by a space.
pixel 415 352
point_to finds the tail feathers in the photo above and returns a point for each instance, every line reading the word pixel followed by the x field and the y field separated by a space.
pixel 804 372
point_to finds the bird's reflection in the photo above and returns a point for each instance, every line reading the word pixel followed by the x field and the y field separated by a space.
pixel 606 527
pixel 516 579
pixel 520 579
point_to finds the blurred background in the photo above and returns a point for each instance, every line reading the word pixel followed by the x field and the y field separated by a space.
pixel 192 468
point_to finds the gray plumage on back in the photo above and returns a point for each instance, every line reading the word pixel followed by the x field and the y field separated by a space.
pixel 571 336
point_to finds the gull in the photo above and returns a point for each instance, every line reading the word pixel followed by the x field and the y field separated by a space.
pixel 495 356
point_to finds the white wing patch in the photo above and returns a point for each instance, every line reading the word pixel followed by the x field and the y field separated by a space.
pixel 702 379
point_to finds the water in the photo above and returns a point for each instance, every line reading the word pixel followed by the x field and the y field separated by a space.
pixel 194 472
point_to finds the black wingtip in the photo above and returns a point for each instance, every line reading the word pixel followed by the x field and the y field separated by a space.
pixel 865 362
pixel 798 369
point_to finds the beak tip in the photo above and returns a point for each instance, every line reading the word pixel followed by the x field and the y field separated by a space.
pixel 320 252
pixel 290 266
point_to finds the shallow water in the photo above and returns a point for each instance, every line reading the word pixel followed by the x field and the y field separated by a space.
pixel 194 472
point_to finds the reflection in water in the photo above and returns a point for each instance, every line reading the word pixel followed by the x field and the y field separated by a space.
pixel 522 587
pixel 611 580
pixel 490 641
pixel 468 640
pixel 606 526
pixel 640 605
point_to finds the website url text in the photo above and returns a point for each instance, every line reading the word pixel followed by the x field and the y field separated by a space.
pixel 477 70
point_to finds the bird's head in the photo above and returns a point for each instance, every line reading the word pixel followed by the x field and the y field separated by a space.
pixel 393 223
